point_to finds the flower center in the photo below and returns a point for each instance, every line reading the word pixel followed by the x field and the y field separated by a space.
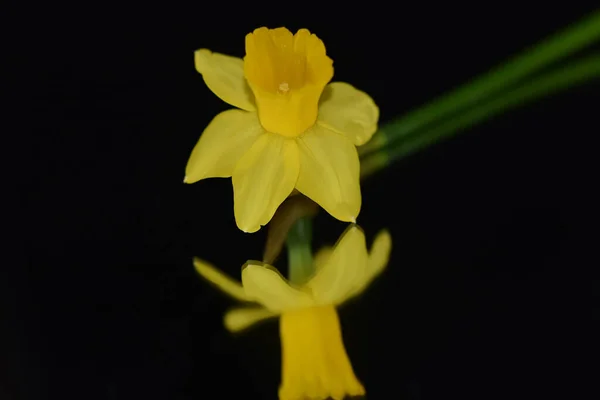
pixel 315 364
pixel 284 87
pixel 287 74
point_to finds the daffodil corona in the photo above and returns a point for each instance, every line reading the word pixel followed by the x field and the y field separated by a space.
pixel 315 364
pixel 292 129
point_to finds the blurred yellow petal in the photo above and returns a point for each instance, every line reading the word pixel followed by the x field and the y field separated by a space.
pixel 238 319
pixel 349 111
pixel 315 364
pixel 329 172
pixel 378 260
pixel 224 141
pixel 220 280
pixel 380 252
pixel 263 178
pixel 265 285
pixel 345 269
pixel 224 76
pixel 322 256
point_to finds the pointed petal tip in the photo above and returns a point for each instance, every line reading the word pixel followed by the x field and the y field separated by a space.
pixel 346 214
pixel 185 179
pixel 249 229
pixel 200 58
pixel 199 264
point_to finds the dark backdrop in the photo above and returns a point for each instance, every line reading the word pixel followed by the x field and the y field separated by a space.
pixel 480 301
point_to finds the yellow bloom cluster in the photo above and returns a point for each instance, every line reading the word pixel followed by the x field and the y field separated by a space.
pixel 292 131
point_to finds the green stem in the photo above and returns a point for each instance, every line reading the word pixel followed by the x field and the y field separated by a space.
pixel 300 259
pixel 576 73
pixel 552 49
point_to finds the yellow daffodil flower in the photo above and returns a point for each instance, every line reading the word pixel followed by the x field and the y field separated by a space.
pixel 314 361
pixel 291 129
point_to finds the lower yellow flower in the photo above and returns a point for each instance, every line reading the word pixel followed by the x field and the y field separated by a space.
pixel 314 361
pixel 292 129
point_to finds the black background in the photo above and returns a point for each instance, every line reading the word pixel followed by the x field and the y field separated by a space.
pixel 481 299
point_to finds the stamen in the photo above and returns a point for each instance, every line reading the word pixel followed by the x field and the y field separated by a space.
pixel 284 87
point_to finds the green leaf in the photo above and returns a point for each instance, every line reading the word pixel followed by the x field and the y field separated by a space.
pixel 530 61
pixel 576 73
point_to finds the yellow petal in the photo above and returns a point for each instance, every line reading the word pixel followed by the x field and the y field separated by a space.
pixel 263 178
pixel 329 172
pixel 345 269
pixel 380 252
pixel 239 319
pixel 378 260
pixel 349 111
pixel 315 364
pixel 224 76
pixel 219 279
pixel 224 141
pixel 265 285
pixel 321 257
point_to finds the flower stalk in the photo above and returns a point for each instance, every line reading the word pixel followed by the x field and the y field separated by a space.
pixel 300 258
